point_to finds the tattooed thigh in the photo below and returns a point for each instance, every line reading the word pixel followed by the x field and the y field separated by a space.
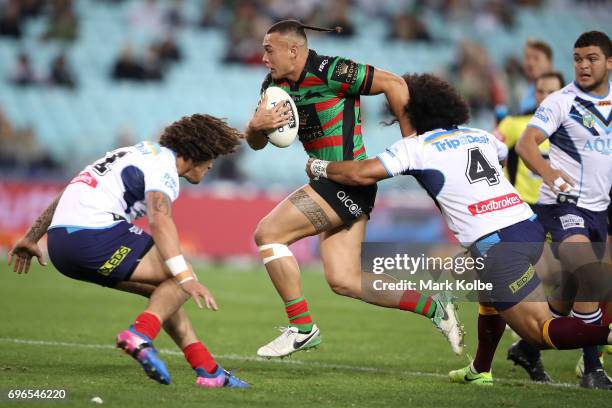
pixel 311 210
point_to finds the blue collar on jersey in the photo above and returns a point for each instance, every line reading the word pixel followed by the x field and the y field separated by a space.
pixel 593 96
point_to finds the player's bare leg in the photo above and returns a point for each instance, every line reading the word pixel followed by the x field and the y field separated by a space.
pixel 341 256
pixel 304 213
pixel 152 280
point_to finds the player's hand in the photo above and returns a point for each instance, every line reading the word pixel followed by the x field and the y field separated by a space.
pixel 268 119
pixel 198 291
pixel 23 251
pixel 557 180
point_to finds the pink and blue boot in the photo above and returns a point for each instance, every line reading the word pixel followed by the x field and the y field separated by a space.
pixel 220 378
pixel 140 347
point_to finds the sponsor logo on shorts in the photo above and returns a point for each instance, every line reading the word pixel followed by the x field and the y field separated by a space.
pixel 349 203
pixel 85 177
pixel 523 280
pixel 571 221
pixel 495 204
pixel 114 261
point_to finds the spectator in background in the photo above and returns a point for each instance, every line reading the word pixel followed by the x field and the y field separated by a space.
pixel 147 16
pixel 152 65
pixel 63 23
pixel 32 8
pixel 338 13
pixel 11 20
pixel 168 51
pixel 244 32
pixel 128 67
pixel 212 14
pixel 173 18
pixel 23 73
pixel 60 73
pixel 409 27
pixel 476 78
pixel 537 60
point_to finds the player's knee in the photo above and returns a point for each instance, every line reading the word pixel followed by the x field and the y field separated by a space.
pixel 532 333
pixel 265 233
pixel 345 287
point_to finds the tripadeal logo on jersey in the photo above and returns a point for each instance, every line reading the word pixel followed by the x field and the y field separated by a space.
pixel 455 141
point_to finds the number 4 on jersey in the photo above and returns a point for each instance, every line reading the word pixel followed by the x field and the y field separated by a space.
pixel 479 168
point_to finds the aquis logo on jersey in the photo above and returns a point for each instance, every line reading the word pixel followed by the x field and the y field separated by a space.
pixel 600 145
pixel 495 204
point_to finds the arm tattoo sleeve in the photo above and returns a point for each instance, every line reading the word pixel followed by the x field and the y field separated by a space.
pixel 40 226
pixel 311 210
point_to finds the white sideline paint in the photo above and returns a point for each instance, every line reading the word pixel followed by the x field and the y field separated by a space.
pixel 290 361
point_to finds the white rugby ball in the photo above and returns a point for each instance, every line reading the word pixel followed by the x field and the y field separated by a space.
pixel 284 135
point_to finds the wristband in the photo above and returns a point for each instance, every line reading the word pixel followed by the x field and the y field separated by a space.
pixel 177 265
pixel 187 279
pixel 318 168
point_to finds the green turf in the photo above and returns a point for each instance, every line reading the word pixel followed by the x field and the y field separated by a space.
pixel 369 357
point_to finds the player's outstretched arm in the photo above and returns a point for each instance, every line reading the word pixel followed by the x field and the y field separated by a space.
pixel 165 236
pixel 396 91
pixel 352 173
pixel 527 149
pixel 264 120
pixel 27 247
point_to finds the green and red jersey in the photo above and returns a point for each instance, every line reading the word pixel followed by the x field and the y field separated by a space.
pixel 327 98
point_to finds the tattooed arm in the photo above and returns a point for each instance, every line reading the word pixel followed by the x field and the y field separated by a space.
pixel 27 247
pixel 163 229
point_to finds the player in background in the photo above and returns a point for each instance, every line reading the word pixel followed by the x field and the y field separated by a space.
pixel 574 198
pixel 459 168
pixel 537 60
pixel 528 184
pixel 327 93
pixel 91 238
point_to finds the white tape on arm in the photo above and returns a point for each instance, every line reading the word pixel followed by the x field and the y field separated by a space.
pixel 560 182
pixel 177 265
pixel 318 168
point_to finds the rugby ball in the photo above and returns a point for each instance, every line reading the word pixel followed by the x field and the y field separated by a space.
pixel 284 135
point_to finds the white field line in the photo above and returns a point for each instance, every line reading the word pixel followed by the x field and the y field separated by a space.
pixel 286 361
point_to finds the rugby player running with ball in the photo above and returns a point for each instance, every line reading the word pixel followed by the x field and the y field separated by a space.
pixel 326 91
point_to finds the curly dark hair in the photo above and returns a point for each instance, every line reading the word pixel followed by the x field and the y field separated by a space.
pixel 200 138
pixel 434 104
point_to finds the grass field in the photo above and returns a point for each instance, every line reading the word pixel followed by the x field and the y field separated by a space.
pixel 59 333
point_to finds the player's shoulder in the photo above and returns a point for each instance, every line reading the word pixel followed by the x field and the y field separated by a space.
pixel 152 152
pixel 319 64
pixel 563 96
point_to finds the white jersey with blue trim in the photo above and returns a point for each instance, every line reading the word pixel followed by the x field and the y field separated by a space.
pixel 579 128
pixel 460 170
pixel 113 189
